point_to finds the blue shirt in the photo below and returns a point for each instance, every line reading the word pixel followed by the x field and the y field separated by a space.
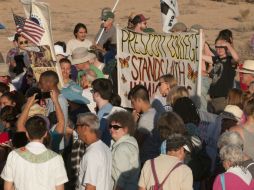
pixel 105 110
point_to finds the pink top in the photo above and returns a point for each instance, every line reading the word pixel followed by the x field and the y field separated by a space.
pixel 232 182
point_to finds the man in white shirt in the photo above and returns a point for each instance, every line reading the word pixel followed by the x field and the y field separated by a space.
pixel 34 166
pixel 80 32
pixel 96 164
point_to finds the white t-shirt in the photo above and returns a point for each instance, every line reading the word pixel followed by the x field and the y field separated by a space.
pixel 95 167
pixel 26 175
pixel 74 43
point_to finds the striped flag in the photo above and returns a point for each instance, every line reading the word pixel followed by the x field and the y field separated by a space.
pixel 28 29
pixel 169 12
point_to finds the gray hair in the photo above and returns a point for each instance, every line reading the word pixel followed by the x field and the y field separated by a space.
pixel 90 120
pixel 230 137
pixel 232 153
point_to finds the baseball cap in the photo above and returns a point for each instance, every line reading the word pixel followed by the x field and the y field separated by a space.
pixel 176 141
pixel 107 15
pixel 104 10
pixel 138 19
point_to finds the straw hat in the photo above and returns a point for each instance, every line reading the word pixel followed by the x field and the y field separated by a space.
pixel 81 55
pixel 4 70
pixel 248 67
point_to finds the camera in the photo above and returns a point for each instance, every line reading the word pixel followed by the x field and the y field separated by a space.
pixel 42 95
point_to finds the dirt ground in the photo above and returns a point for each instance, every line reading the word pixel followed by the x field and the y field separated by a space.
pixel 213 16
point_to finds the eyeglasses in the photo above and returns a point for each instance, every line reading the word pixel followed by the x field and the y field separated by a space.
pixel 116 127
pixel 23 42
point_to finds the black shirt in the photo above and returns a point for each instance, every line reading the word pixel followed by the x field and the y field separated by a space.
pixel 222 75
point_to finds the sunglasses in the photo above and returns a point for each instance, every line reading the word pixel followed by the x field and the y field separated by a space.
pixel 92 91
pixel 220 47
pixel 116 127
pixel 23 42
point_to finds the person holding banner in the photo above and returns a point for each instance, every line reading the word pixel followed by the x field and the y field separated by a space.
pixel 139 23
pixel 106 43
pixel 80 32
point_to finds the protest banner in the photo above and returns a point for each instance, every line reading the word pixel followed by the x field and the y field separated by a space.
pixel 40 13
pixel 41 61
pixel 39 70
pixel 144 58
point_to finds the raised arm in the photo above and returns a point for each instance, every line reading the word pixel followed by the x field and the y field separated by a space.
pixel 59 112
pixel 232 51
pixel 207 59
pixel 24 114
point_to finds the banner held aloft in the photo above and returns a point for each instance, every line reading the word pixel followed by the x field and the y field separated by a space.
pixel 144 58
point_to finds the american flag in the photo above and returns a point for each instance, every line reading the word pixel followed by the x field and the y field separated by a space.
pixel 28 29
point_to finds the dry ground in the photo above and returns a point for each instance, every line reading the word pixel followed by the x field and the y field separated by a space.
pixel 213 16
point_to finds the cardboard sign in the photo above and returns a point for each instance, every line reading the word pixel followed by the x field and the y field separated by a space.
pixel 42 57
pixel 144 58
pixel 39 70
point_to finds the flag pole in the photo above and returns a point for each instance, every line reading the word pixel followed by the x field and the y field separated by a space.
pixel 30 14
pixel 113 9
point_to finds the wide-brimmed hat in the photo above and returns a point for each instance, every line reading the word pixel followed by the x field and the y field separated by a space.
pixel 179 27
pixel 248 67
pixel 196 28
pixel 73 93
pixel 4 70
pixel 59 50
pixel 232 112
pixel 36 109
pixel 81 55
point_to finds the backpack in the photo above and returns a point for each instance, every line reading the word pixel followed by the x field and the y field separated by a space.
pixel 159 186
pixel 200 163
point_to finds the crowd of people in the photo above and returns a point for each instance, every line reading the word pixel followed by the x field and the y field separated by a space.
pixel 78 137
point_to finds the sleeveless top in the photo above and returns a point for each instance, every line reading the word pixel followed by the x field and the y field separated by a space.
pixel 248 143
